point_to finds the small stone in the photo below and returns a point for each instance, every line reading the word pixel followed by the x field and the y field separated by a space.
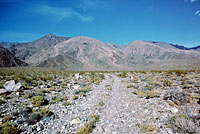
pixel 77 76
pixel 9 85
pixel 169 131
pixel 76 121
pixel 2 91
pixel 146 110
pixel 17 86
pixel 174 110
pixel 68 85
pixel 76 87
pixel 17 93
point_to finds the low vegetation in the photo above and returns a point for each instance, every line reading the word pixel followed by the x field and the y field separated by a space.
pixel 7 128
pixel 38 101
pixel 147 127
pixel 87 129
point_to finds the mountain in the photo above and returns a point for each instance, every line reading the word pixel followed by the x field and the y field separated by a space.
pixel 196 48
pixel 25 50
pixel 8 44
pixel 84 53
pixel 9 60
pixel 61 62
pixel 118 46
pixel 158 50
pixel 93 53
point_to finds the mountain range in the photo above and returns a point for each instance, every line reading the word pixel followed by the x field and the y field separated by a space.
pixel 84 53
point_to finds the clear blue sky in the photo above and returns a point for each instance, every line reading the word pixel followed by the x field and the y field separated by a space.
pixel 116 21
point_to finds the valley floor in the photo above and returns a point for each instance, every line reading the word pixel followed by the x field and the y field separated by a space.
pixel 122 103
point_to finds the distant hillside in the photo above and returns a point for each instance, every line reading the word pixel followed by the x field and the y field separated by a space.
pixel 196 48
pixel 91 52
pixel 8 60
pixel 62 62
pixel 8 44
pixel 25 50
pixel 84 53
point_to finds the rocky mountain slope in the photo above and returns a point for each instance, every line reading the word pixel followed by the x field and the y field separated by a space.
pixel 25 50
pixel 62 62
pixel 196 48
pixel 9 60
pixel 86 53
pixel 93 53
pixel 8 44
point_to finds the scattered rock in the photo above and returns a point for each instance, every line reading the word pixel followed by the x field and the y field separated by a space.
pixel 2 91
pixel 17 86
pixel 9 85
pixel 75 121
pixel 174 110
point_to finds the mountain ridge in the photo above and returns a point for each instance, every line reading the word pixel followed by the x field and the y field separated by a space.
pixel 92 54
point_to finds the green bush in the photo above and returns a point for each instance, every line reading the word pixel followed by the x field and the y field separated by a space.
pixel 101 103
pixel 38 101
pixel 75 97
pixel 46 112
pixel 58 98
pixel 167 83
pixel 147 127
pixel 182 123
pixel 6 128
pixel 87 129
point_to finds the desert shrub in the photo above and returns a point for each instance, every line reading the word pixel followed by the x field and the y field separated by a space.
pixel 52 89
pixel 147 127
pixel 167 83
pixel 1 101
pixel 178 98
pixel 6 128
pixel 101 103
pixel 148 94
pixel 122 75
pixel 7 118
pixel 182 123
pixel 38 101
pixel 34 117
pixel 45 112
pixel 58 98
pixel 66 103
pixel 87 129
pixel 75 97
pixel 101 76
pixel 129 86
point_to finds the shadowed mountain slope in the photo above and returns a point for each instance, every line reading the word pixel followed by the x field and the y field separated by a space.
pixel 9 60
pixel 62 62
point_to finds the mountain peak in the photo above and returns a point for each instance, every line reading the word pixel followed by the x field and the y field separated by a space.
pixel 50 35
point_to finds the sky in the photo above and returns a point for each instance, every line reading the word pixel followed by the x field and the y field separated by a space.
pixel 114 21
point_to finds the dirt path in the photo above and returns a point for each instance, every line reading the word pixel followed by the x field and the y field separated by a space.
pixel 122 112
pixel 118 115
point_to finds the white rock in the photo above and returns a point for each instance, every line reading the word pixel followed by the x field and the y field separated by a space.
pixel 77 76
pixel 76 87
pixel 2 91
pixel 17 93
pixel 9 85
pixel 76 121
pixel 68 85
pixel 17 86
pixel 169 131
pixel 174 110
